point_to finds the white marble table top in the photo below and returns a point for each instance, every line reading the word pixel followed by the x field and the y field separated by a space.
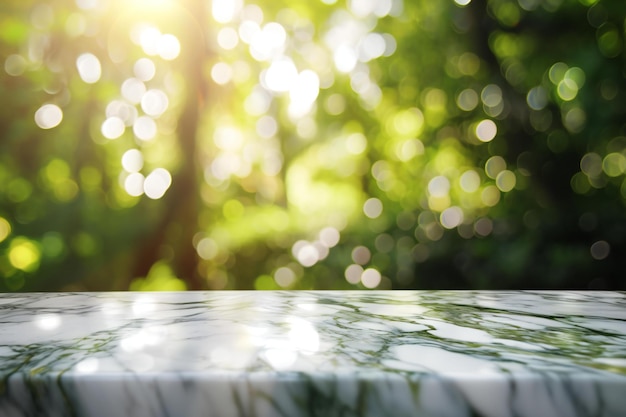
pixel 314 353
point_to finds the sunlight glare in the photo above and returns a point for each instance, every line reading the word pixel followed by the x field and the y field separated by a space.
pixel 345 58
pixel 280 358
pixel 281 75
pixel 303 336
pixel 303 93
pixel 149 39
pixel 224 11
pixel 168 47
pixel 48 322
pixel 269 43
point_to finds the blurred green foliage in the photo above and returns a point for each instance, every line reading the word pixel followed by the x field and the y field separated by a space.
pixel 192 144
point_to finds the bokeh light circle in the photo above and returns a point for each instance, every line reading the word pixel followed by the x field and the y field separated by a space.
pixel 373 208
pixel 48 116
pixel 145 128
pixel 486 130
pixel 370 278
pixel 89 68
pixel 113 127
pixel 132 160
pixel 600 250
pixel 157 183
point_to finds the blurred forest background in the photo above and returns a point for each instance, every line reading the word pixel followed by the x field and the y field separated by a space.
pixel 323 144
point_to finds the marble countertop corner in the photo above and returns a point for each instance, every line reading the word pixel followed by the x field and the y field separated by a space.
pixel 314 353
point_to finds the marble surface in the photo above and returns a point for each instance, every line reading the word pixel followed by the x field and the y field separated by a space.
pixel 318 353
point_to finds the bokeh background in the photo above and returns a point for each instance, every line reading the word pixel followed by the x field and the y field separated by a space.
pixel 231 144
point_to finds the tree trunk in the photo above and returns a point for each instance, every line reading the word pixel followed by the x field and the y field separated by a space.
pixel 172 238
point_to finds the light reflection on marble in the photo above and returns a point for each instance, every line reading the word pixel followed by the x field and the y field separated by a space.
pixel 378 353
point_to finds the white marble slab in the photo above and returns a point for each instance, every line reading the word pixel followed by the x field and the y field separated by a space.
pixel 375 353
